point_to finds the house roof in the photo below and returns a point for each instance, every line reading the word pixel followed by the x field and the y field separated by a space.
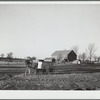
pixel 62 52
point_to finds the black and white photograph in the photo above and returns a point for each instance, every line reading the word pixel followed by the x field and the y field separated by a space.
pixel 50 46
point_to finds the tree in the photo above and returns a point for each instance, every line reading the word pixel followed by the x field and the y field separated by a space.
pixel 28 57
pixel 98 58
pixel 95 58
pixel 75 49
pixel 33 58
pixel 10 55
pixel 91 51
pixel 2 55
pixel 83 56
pixel 79 56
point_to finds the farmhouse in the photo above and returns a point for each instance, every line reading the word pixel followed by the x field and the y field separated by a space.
pixel 69 55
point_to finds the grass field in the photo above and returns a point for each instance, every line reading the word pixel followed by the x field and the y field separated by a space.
pixel 65 77
pixel 62 69
pixel 86 81
pixel 74 68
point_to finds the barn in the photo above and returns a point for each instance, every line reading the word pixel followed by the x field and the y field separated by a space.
pixel 69 55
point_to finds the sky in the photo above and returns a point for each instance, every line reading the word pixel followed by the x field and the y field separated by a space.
pixel 40 29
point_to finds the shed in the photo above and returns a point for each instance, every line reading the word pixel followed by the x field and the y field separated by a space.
pixel 48 59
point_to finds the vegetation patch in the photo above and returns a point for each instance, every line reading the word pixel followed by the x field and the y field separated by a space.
pixel 85 81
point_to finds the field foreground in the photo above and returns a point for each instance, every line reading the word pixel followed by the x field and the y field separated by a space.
pixel 85 81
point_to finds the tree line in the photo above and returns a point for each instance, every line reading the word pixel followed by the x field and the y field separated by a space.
pixel 9 55
pixel 88 54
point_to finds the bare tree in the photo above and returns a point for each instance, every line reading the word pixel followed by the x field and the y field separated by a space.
pixel 91 51
pixel 2 55
pixel 98 59
pixel 83 56
pixel 10 55
pixel 75 48
pixel 79 56
pixel 95 58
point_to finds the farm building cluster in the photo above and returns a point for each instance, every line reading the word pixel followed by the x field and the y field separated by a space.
pixel 58 58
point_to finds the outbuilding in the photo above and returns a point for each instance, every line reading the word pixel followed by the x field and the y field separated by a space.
pixel 48 64
pixel 69 55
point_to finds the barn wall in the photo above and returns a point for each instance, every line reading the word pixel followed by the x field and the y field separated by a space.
pixel 72 56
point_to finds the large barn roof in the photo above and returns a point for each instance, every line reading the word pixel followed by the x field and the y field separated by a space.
pixel 62 52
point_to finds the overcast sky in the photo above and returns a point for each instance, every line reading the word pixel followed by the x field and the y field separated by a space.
pixel 39 30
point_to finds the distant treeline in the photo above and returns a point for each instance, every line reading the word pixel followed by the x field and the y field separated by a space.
pixel 11 59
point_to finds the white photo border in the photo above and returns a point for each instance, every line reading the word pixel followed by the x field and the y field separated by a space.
pixel 47 94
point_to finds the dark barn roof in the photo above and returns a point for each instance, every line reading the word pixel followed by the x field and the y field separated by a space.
pixel 62 52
